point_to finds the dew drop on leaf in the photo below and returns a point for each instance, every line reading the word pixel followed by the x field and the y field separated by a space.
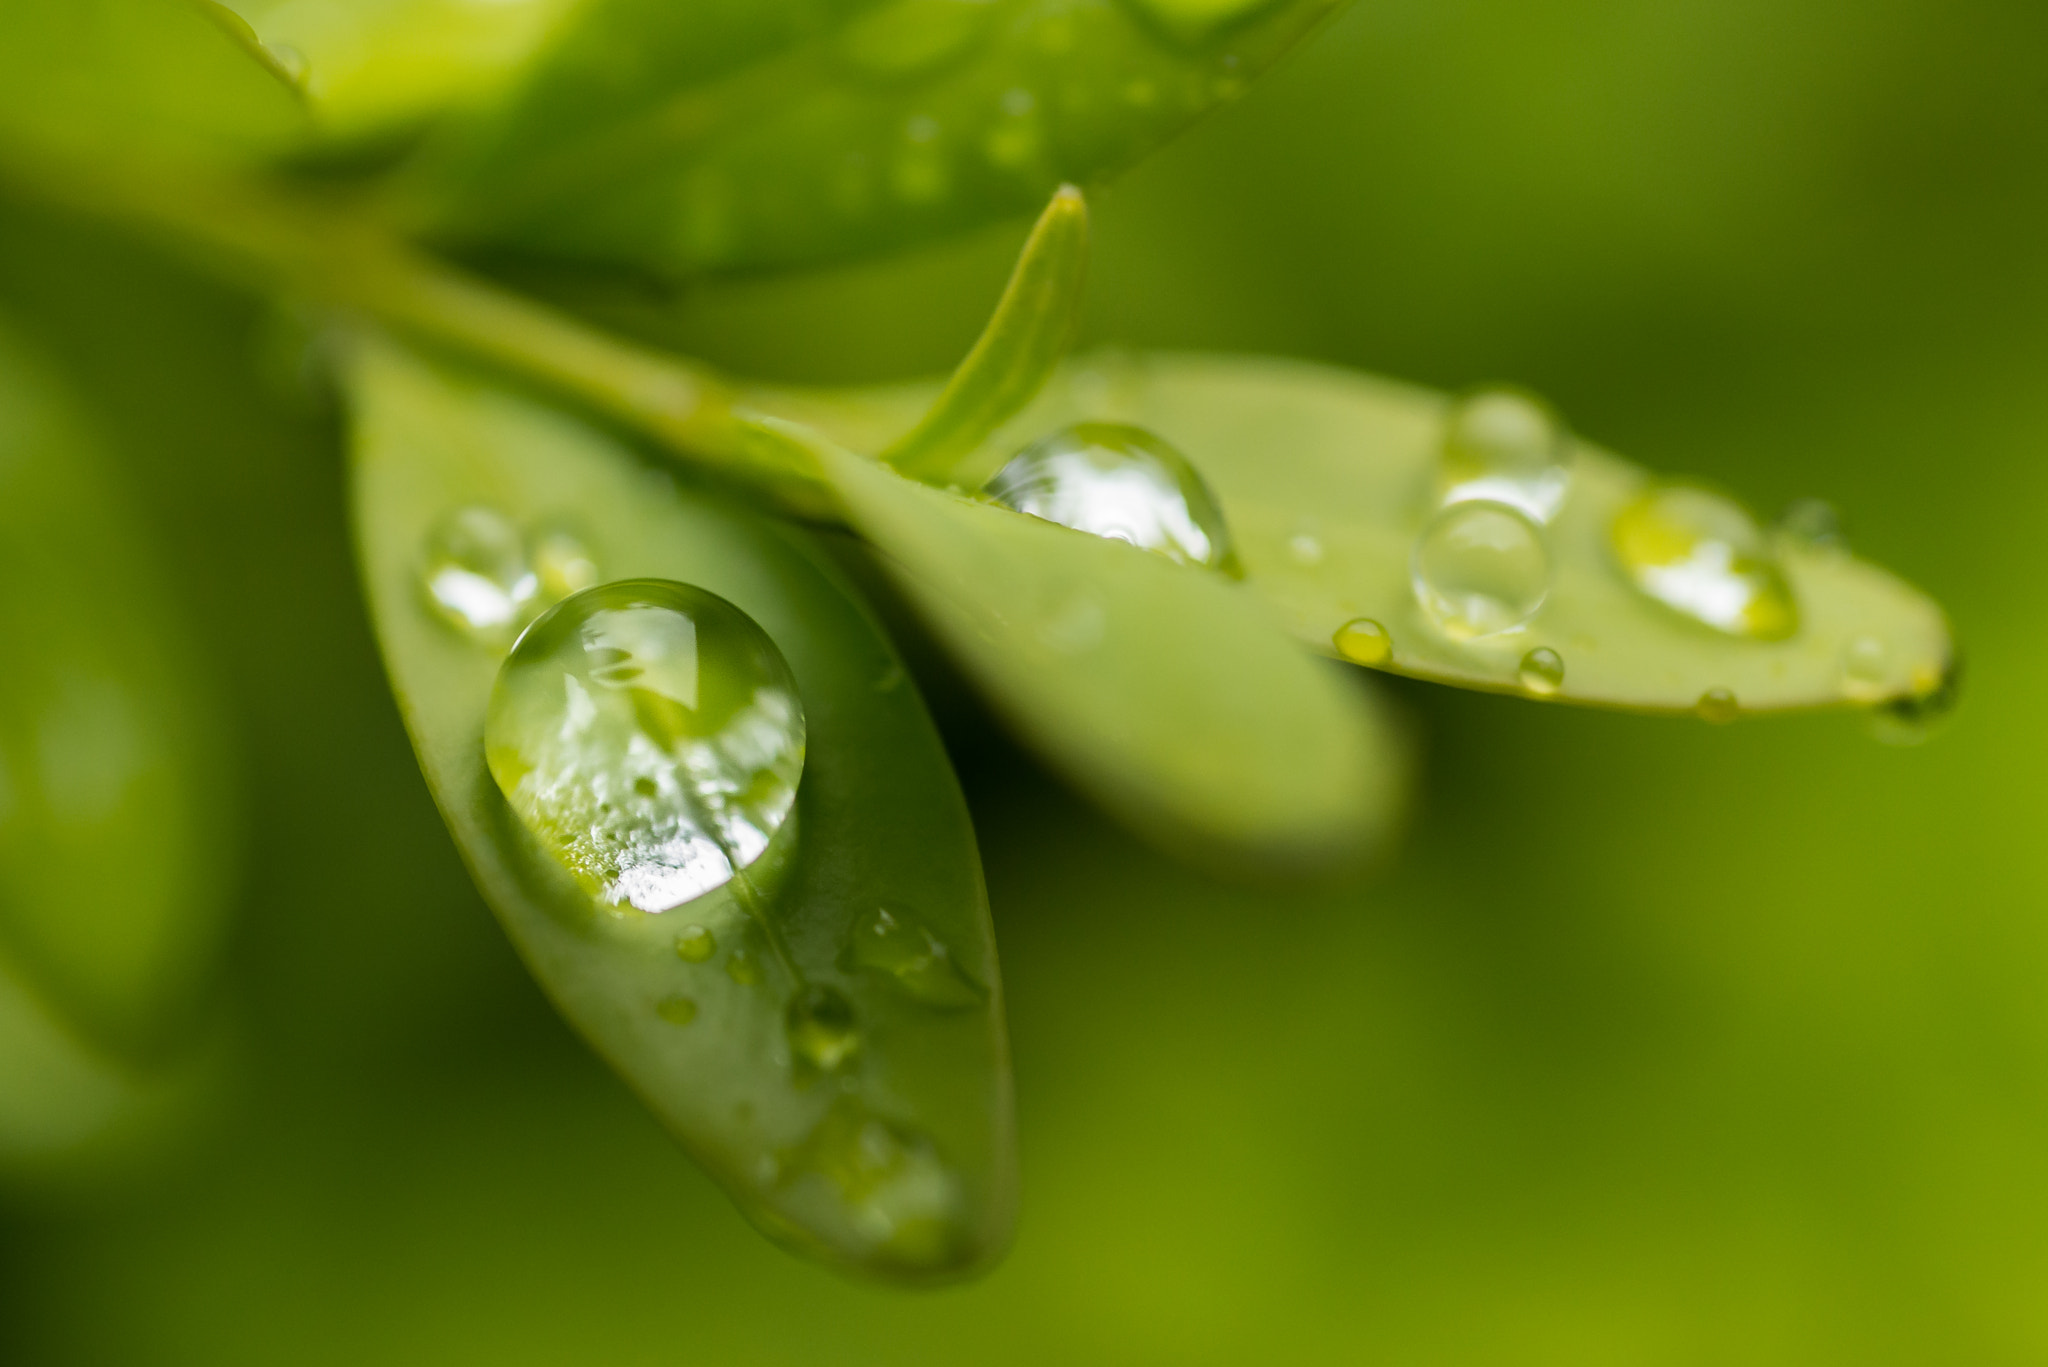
pixel 903 1197
pixel 476 575
pixel 1120 483
pixel 1866 670
pixel 1479 569
pixel 1813 524
pixel 823 1034
pixel 1542 672
pixel 676 1010
pixel 1504 445
pixel 696 944
pixel 650 735
pixel 1702 554
pixel 891 941
pixel 1916 717
pixel 1363 641
pixel 563 565
pixel 1717 705
pixel 743 969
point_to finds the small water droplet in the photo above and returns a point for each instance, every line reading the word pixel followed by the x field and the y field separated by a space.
pixel 1917 717
pixel 902 1196
pixel 743 969
pixel 1542 672
pixel 1717 705
pixel 563 565
pixel 696 944
pixel 290 62
pixel 823 1034
pixel 1363 641
pixel 676 1010
pixel 1866 670
pixel 1814 524
pixel 647 684
pixel 890 940
pixel 476 575
pixel 1504 445
pixel 1305 549
pixel 1702 554
pixel 1480 569
pixel 920 173
pixel 1122 483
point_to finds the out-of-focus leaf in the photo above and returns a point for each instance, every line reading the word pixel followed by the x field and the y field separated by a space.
pixel 1017 351
pixel 1326 477
pixel 113 796
pixel 1168 693
pixel 677 139
pixel 103 83
pixel 372 67
pixel 901 1164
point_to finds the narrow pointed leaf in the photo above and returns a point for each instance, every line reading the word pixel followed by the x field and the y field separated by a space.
pixel 1167 692
pixel 1017 351
pixel 1326 478
pixel 680 139
pixel 896 1159
pixel 114 790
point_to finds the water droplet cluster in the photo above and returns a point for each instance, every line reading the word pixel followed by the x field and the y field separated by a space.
pixel 1121 483
pixel 651 736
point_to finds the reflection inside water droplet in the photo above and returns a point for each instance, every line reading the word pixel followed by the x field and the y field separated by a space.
pixel 1122 483
pixel 823 1035
pixel 892 941
pixel 1717 705
pixel 1542 672
pixel 1704 556
pixel 1363 641
pixel 1480 569
pixel 650 734
pixel 903 1198
pixel 1504 445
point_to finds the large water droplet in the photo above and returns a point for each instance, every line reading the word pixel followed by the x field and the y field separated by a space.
pixel 823 1034
pixel 1507 446
pixel 650 734
pixel 477 577
pixel 1363 641
pixel 1122 483
pixel 901 1195
pixel 1542 672
pixel 1480 569
pixel 892 941
pixel 1702 554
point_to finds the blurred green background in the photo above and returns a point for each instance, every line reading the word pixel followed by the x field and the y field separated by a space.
pixel 1656 1043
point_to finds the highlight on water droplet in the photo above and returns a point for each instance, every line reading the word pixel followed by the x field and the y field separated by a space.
pixel 1122 483
pixel 696 944
pixel 1542 672
pixel 1363 642
pixel 1480 569
pixel 476 576
pixel 1717 705
pixel 676 1010
pixel 823 1034
pixel 651 737
pixel 1702 554
pixel 1504 445
pixel 891 941
pixel 1305 548
pixel 903 1198
pixel 1920 714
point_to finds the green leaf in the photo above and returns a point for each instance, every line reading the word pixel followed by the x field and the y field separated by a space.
pixel 677 139
pixel 1018 349
pixel 114 795
pixel 1326 477
pixel 902 1165
pixel 376 67
pixel 108 83
pixel 1168 693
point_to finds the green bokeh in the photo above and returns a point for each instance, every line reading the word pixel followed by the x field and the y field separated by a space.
pixel 1657 1043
